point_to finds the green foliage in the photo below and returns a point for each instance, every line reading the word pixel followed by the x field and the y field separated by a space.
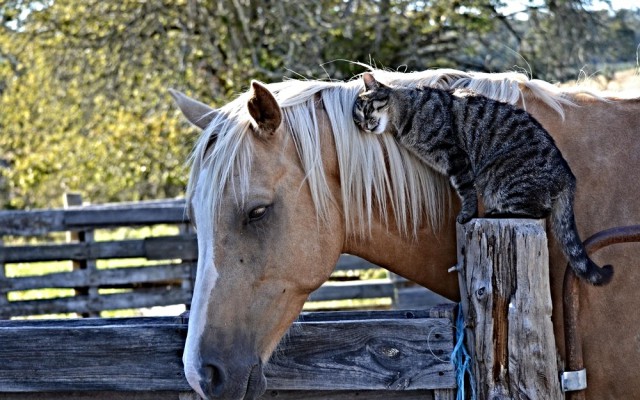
pixel 83 99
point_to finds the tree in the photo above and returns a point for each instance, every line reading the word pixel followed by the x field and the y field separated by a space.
pixel 83 85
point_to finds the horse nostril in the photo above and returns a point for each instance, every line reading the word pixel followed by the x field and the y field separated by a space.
pixel 213 380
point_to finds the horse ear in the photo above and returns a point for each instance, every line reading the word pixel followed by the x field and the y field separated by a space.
pixel 199 114
pixel 264 108
pixel 370 83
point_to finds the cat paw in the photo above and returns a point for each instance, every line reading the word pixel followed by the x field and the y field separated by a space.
pixel 463 218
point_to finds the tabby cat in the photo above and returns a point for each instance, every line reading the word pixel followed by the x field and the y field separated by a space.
pixel 487 147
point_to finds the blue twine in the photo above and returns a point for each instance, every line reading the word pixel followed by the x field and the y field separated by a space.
pixel 462 361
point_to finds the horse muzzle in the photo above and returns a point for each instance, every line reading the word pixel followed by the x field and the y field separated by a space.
pixel 218 382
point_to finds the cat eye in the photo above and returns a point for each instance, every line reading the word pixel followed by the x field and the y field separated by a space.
pixel 378 104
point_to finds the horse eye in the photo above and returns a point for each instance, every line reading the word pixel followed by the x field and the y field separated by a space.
pixel 257 213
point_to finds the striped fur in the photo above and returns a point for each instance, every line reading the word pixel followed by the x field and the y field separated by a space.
pixel 485 147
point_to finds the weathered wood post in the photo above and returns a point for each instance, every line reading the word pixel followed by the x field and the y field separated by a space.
pixel 506 301
pixel 70 200
pixel 4 299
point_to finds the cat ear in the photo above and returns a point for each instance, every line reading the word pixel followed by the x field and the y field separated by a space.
pixel 370 83
pixel 264 108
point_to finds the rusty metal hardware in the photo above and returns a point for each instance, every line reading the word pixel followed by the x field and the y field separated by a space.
pixel 571 298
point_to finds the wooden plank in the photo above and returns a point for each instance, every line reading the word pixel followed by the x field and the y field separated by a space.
pixel 40 222
pixel 92 322
pixel 356 355
pixel 143 204
pixel 51 359
pixel 506 301
pixel 344 395
pixel 441 311
pixel 94 395
pixel 386 354
pixel 80 304
pixel 351 262
pixel 364 315
pixel 270 394
pixel 184 247
pixel 35 222
pixel 417 297
pixel 154 248
pixel 124 217
pixel 102 278
pixel 369 289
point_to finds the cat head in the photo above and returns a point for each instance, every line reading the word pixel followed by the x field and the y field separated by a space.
pixel 371 109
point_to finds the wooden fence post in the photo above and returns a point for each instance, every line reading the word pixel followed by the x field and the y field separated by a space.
pixel 75 199
pixel 506 301
pixel 188 284
pixel 4 299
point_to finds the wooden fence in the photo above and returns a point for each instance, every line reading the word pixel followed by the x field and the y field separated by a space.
pixel 340 355
pixel 165 269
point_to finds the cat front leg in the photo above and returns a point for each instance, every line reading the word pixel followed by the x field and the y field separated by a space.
pixel 463 183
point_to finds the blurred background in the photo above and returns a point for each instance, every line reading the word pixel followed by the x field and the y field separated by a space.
pixel 83 84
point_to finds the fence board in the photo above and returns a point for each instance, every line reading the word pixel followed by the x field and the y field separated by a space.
pixel 369 289
pixel 270 394
pixel 41 222
pixel 117 277
pixel 386 354
pixel 379 354
pixel 153 248
pixel 81 304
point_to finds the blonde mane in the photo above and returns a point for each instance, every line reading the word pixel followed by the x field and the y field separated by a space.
pixel 377 175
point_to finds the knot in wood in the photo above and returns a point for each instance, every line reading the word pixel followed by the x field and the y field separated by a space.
pixel 480 292
pixel 390 352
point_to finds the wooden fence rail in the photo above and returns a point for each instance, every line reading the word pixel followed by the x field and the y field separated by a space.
pixel 379 355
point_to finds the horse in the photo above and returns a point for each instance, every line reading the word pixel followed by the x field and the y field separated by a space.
pixel 282 183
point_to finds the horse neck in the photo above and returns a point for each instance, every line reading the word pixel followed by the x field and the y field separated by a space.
pixel 424 259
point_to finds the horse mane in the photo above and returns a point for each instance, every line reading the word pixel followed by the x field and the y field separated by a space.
pixel 377 175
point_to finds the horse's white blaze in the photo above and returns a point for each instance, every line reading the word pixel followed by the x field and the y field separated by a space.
pixel 205 282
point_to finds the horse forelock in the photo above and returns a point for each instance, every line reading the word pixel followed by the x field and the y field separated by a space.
pixel 377 175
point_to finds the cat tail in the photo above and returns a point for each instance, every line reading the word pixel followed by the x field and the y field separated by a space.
pixel 564 228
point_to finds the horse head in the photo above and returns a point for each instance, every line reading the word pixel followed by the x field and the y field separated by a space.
pixel 261 247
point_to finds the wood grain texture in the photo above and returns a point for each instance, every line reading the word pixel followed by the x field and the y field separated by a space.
pixel 270 394
pixel 40 222
pixel 387 354
pixel 94 395
pixel 507 306
pixel 145 355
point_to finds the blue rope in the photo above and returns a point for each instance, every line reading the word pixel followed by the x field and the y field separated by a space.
pixel 462 361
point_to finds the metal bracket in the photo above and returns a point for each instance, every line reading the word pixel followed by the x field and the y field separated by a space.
pixel 573 380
